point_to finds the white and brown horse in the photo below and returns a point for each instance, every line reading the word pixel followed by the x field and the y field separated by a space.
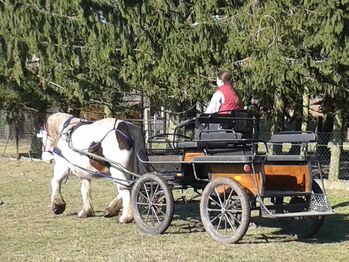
pixel 72 141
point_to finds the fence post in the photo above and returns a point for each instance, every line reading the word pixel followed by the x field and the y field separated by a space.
pixel 336 146
pixel 17 139
pixel 146 124
pixel 172 121
pixel 334 169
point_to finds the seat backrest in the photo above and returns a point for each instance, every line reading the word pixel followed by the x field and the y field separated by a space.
pixel 242 122
pixel 293 137
pixel 238 121
pixel 298 141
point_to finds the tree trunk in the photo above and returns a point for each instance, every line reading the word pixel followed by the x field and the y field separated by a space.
pixel 335 147
pixel 278 114
pixel 277 120
pixel 107 112
pixel 305 118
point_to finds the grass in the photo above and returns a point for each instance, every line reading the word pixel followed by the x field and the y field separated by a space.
pixel 29 231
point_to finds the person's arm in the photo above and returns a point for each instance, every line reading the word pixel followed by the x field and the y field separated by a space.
pixel 215 103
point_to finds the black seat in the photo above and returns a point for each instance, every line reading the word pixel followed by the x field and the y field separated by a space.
pixel 224 159
pixel 286 158
pixel 298 150
pixel 187 145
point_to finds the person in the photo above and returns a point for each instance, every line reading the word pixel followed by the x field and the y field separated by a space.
pixel 225 98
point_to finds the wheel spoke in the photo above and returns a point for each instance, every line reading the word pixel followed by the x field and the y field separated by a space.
pixel 233 216
pixel 159 204
pixel 234 211
pixel 220 201
pixel 156 216
pixel 214 209
pixel 144 210
pixel 161 198
pixel 142 204
pixel 225 224
pixel 144 196
pixel 230 194
pixel 224 199
pixel 214 201
pixel 231 225
pixel 154 193
pixel 219 223
pixel 146 191
pixel 211 221
pixel 147 217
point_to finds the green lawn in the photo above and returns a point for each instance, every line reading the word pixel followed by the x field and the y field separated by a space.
pixel 29 231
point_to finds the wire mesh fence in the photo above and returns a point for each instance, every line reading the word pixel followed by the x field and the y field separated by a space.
pixel 19 140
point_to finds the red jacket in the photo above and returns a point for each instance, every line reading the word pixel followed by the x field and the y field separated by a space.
pixel 231 99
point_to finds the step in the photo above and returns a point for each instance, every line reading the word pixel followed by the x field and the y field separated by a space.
pixel 297 214
pixel 276 193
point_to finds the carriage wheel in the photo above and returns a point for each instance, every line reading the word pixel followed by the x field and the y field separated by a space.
pixel 152 204
pixel 303 227
pixel 225 210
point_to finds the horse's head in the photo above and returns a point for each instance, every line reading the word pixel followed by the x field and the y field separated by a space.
pixel 46 145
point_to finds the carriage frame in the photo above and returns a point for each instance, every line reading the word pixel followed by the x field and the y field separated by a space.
pixel 224 159
pixel 237 173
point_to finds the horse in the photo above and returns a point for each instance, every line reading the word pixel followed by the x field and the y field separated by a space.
pixel 106 147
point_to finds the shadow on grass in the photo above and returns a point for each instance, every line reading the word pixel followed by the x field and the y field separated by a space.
pixel 187 218
pixel 344 204
pixel 334 229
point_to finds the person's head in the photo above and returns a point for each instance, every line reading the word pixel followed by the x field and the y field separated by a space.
pixel 223 77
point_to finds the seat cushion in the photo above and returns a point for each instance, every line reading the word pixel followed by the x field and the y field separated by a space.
pixel 224 159
pixel 187 144
pixel 281 158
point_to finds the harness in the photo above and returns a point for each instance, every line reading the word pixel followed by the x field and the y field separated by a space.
pixel 68 134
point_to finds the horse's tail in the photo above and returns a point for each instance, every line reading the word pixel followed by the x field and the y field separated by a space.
pixel 137 137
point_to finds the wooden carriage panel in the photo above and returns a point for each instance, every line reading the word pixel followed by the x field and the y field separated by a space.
pixel 287 177
pixel 188 156
pixel 246 179
pixel 276 177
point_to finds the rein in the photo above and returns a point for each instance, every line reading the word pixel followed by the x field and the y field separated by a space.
pixel 125 183
pixel 68 133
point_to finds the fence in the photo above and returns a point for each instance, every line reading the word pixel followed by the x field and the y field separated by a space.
pixel 20 139
pixel 332 150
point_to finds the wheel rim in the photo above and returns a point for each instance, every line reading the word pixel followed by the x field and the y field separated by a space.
pixel 151 203
pixel 224 210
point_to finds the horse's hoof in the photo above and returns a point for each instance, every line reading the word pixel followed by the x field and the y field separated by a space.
pixel 58 208
pixel 110 213
pixel 125 219
pixel 85 214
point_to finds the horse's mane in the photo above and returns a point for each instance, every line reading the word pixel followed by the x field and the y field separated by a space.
pixel 55 123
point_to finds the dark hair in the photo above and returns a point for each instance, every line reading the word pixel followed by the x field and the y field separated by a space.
pixel 225 76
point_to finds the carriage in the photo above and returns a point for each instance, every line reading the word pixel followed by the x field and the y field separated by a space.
pixel 217 155
pixel 238 173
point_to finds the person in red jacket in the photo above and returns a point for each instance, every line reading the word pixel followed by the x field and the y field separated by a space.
pixel 225 98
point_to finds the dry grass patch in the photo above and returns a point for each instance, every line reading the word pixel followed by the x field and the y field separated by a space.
pixel 31 232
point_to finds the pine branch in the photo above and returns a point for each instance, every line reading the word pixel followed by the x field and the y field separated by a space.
pixel 37 8
pixel 242 61
pixel 101 103
pixel 50 82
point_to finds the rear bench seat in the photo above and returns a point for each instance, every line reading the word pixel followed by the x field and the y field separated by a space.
pixel 296 138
